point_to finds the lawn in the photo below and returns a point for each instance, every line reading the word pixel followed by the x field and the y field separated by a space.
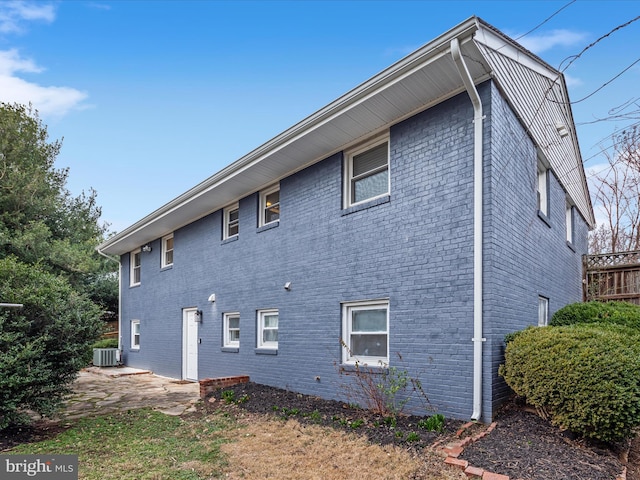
pixel 149 445
pixel 142 444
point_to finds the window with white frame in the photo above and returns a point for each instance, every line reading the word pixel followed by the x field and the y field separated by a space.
pixel 231 221
pixel 367 172
pixel 267 328
pixel 543 311
pixel 365 330
pixel 569 222
pixel 167 250
pixel 543 189
pixel 135 334
pixel 134 270
pixel 270 205
pixel 231 325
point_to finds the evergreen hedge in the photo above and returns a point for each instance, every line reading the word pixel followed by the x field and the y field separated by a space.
pixel 620 313
pixel 44 344
pixel 585 376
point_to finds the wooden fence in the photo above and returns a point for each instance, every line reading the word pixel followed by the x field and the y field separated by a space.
pixel 612 276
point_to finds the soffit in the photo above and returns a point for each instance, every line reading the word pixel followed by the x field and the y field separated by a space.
pixel 424 78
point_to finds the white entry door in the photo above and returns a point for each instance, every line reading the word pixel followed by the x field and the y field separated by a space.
pixel 190 344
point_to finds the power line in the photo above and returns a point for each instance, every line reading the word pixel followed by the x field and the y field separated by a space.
pixel 545 20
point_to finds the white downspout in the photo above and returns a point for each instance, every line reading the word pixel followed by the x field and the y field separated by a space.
pixel 477 227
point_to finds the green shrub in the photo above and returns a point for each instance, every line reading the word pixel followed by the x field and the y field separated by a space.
pixel 44 344
pixel 106 343
pixel 586 377
pixel 620 313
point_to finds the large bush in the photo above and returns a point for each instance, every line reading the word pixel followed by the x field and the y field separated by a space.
pixel 620 313
pixel 587 376
pixel 44 344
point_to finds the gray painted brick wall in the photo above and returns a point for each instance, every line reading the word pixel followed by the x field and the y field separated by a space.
pixel 415 248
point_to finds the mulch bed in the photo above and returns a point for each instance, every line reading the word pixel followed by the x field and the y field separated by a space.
pixel 522 446
pixel 308 409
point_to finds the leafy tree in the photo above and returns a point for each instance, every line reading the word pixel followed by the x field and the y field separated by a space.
pixel 40 221
pixel 49 264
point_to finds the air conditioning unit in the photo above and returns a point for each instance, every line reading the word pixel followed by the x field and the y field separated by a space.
pixel 105 357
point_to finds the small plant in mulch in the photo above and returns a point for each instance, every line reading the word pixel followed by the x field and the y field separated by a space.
pixel 383 389
pixel 229 397
pixel 434 423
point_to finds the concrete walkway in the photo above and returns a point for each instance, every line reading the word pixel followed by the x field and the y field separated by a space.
pixel 99 391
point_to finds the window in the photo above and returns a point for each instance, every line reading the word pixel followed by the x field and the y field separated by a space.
pixel 135 334
pixel 231 322
pixel 569 222
pixel 267 328
pixel 134 264
pixel 270 205
pixel 231 222
pixel 367 172
pixel 167 251
pixel 543 311
pixel 365 327
pixel 543 189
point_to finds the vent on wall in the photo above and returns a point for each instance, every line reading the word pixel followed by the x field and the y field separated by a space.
pixel 105 357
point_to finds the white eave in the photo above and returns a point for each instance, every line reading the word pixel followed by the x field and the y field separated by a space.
pixel 422 79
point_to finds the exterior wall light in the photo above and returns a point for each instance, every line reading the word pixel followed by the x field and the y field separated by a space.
pixel 146 248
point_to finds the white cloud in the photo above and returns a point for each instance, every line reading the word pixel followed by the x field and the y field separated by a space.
pixel 48 100
pixel 554 38
pixel 13 14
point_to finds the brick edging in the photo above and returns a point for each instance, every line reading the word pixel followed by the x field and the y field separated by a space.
pixel 208 385
pixel 453 450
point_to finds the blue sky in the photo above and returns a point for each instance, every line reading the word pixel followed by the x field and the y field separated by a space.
pixel 153 97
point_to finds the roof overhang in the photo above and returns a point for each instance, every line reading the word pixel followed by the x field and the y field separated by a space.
pixel 424 78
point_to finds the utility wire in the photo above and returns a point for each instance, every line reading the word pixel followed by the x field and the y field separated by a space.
pixel 545 20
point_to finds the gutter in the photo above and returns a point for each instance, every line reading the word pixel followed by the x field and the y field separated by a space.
pixel 477 226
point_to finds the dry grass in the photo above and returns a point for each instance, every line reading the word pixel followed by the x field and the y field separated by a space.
pixel 270 448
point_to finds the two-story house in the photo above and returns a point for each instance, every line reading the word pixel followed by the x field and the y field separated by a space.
pixel 418 219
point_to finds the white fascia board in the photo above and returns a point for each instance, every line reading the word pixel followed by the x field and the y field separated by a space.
pixel 417 60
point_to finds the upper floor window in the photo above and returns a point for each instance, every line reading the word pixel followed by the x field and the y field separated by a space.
pixel 167 251
pixel 367 172
pixel 365 330
pixel 268 329
pixel 569 222
pixel 134 267
pixel 231 221
pixel 543 189
pixel 270 205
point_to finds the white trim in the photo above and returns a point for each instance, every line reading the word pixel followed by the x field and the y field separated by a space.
pixel 135 331
pixel 226 222
pixel 261 316
pixel 543 189
pixel 569 222
pixel 543 311
pixel 132 267
pixel 166 250
pixel 188 324
pixel 348 168
pixel 347 353
pixel 225 332
pixel 263 204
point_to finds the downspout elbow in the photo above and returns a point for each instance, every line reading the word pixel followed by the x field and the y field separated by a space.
pixel 477 226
